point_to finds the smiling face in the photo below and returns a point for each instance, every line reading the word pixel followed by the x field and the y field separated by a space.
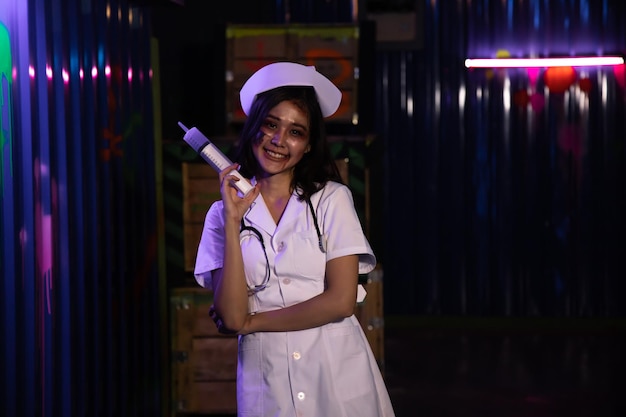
pixel 284 139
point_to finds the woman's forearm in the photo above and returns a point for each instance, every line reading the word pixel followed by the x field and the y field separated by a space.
pixel 230 289
pixel 315 312
pixel 335 303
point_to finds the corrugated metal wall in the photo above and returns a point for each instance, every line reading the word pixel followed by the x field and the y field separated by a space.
pixel 79 300
pixel 502 196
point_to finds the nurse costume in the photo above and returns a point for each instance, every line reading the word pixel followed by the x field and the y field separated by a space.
pixel 327 371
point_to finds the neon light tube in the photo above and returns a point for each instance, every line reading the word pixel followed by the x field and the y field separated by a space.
pixel 543 62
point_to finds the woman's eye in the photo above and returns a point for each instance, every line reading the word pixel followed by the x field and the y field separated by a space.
pixel 270 125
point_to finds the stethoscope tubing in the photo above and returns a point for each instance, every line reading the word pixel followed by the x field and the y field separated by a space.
pixel 256 288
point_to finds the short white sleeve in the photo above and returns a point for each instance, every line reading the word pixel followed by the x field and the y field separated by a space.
pixel 210 254
pixel 340 224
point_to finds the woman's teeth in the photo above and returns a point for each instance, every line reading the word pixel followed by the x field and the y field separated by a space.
pixel 274 154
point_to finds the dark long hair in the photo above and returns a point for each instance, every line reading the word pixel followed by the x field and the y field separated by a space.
pixel 316 166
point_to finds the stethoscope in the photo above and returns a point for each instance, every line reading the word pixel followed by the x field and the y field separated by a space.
pixel 320 239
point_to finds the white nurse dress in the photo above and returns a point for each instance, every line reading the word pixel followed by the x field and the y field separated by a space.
pixel 327 371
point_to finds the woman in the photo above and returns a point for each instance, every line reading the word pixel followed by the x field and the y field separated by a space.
pixel 283 261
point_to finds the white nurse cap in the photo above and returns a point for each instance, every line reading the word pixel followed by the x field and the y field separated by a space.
pixel 280 74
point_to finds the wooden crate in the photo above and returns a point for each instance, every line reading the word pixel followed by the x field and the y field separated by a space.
pixel 201 187
pixel 204 362
pixel 350 157
pixel 332 49
pixel 370 314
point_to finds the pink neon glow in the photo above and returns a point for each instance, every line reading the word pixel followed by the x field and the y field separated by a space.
pixel 31 72
pixel 81 73
pixel 66 76
pixel 94 72
pixel 130 74
pixel 533 74
pixel 590 61
pixel 620 74
pixel 44 231
pixel 49 72
pixel 107 71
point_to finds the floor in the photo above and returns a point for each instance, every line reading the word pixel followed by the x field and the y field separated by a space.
pixel 449 367
pixel 460 367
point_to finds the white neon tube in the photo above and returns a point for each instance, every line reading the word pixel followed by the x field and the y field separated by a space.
pixel 591 61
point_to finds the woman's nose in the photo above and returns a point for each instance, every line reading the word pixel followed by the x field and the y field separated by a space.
pixel 277 138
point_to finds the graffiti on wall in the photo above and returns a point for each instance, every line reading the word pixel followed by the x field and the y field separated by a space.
pixel 5 105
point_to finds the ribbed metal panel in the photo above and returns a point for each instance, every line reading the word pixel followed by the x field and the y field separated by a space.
pixel 510 194
pixel 80 284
